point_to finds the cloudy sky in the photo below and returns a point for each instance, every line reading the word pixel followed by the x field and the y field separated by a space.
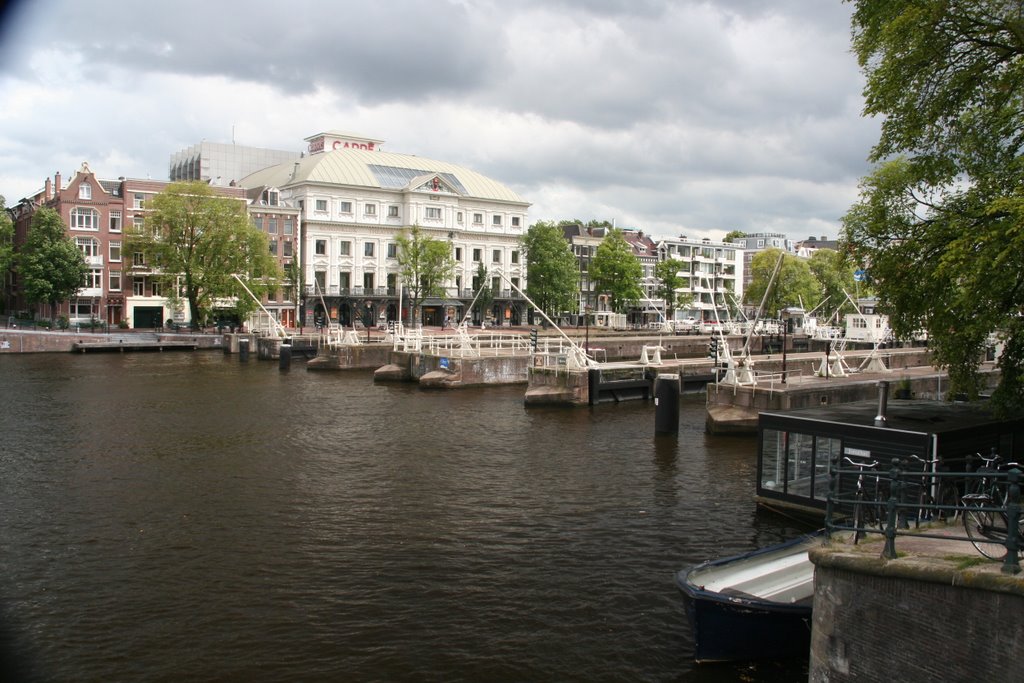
pixel 673 116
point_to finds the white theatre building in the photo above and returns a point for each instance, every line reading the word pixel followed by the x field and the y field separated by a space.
pixel 354 199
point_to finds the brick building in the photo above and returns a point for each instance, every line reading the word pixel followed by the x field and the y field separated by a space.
pixel 121 288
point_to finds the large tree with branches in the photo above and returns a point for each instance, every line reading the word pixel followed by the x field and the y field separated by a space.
pixel 940 222
pixel 203 247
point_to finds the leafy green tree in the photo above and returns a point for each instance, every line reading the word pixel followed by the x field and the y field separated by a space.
pixel 424 264
pixel 6 248
pixel 733 235
pixel 669 280
pixel 50 267
pixel 199 241
pixel 794 283
pixel 834 273
pixel 939 221
pixel 616 271
pixel 553 274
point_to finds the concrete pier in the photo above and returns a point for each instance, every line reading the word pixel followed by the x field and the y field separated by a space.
pixel 734 409
pixel 939 611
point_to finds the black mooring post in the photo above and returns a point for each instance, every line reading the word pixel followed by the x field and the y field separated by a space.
pixel 284 358
pixel 243 350
pixel 666 404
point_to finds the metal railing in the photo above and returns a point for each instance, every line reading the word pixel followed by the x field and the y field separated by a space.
pixel 896 500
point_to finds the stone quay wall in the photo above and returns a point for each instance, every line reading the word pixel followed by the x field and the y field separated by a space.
pixel 873 624
pixel 15 340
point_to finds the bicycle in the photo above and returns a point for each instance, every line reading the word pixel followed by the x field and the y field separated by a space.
pixel 948 495
pixel 986 524
pixel 864 514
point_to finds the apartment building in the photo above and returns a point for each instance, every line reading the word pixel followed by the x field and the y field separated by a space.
pixel 712 274
pixel 123 288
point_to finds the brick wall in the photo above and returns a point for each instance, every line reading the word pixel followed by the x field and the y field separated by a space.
pixel 870 628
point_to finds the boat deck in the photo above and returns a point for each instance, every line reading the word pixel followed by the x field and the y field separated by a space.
pixel 787 579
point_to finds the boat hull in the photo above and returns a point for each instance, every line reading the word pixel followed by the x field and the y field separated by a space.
pixel 730 625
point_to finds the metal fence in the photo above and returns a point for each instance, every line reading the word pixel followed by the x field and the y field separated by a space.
pixel 905 495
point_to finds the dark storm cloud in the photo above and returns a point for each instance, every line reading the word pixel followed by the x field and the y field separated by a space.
pixel 685 115
pixel 400 49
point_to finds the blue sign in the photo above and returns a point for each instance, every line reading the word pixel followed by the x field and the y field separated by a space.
pixel 444 363
pixel 860 275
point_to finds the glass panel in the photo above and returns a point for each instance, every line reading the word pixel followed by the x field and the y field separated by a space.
pixel 397 178
pixel 827 451
pixel 772 446
pixel 800 460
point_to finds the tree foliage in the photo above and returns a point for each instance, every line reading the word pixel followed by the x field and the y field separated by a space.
pixel 6 245
pixel 616 271
pixel 834 274
pixel 553 281
pixel 940 221
pixel 199 241
pixel 669 280
pixel 50 267
pixel 425 264
pixel 482 291
pixel 733 235
pixel 794 283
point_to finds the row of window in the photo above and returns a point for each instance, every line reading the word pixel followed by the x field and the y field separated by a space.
pixel 430 213
pixel 286 247
pixel 83 218
pixel 703 252
pixel 85 192
pixel 345 281
pixel 345 249
pixel 94 280
pixel 320 206
pixel 287 225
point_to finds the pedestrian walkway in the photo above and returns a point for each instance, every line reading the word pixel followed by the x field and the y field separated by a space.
pixel 936 552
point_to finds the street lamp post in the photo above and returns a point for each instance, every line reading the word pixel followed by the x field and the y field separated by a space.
pixel 368 320
pixel 586 323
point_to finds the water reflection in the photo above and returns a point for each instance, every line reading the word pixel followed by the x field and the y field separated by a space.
pixel 187 516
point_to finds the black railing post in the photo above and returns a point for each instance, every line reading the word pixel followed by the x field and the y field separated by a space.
pixel 901 513
pixel 889 551
pixel 1011 565
pixel 833 479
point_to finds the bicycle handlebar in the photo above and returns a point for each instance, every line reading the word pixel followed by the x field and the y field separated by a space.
pixel 860 465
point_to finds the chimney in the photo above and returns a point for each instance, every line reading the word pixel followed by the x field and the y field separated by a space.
pixel 47 189
pixel 56 184
pixel 883 397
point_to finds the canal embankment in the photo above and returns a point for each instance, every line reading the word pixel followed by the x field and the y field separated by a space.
pixel 937 611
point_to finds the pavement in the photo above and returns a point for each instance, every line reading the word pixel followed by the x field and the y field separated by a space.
pixel 938 552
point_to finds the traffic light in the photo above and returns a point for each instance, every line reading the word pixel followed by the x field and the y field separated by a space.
pixel 533 338
pixel 713 348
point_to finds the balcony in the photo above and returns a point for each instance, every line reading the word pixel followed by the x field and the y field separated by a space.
pixel 336 291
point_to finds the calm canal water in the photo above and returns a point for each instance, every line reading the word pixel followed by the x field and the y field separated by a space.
pixel 186 516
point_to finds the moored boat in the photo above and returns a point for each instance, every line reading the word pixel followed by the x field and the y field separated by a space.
pixel 752 606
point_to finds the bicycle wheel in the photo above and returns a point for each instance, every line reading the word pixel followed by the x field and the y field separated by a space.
pixel 949 497
pixel 858 521
pixel 987 530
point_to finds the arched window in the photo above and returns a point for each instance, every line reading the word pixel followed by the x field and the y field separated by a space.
pixel 85 219
pixel 88 246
